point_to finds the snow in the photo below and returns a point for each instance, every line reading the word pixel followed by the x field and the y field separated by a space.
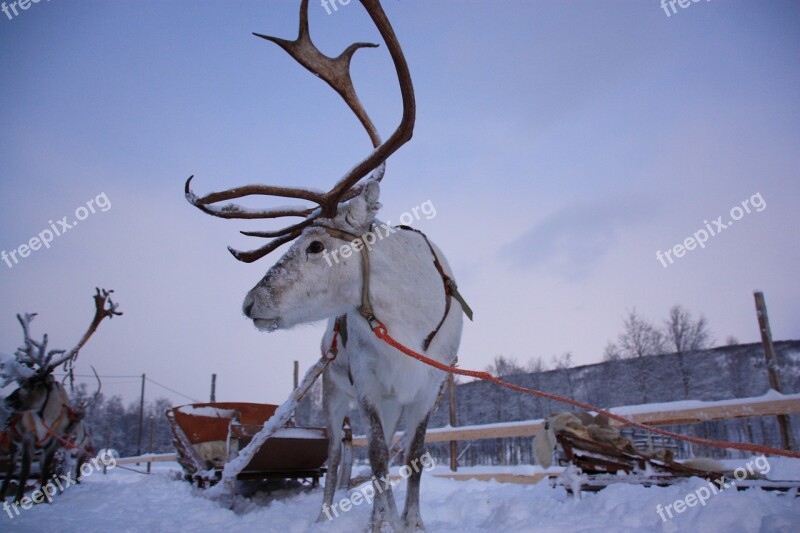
pixel 770 395
pixel 213 412
pixel 130 502
pixel 299 433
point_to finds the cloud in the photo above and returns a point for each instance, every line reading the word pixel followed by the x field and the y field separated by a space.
pixel 571 242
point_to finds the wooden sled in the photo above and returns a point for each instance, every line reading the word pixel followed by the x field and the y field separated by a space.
pixel 592 466
pixel 208 435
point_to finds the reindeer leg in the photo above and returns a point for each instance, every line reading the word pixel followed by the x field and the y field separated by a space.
pixel 48 461
pixel 411 516
pixel 384 508
pixel 25 467
pixel 13 449
pixel 335 402
pixel 81 458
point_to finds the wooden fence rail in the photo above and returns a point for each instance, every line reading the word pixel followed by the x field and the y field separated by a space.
pixel 663 414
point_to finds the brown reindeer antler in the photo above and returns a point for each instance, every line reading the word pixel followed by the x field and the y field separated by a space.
pixel 35 354
pixel 336 73
pixel 104 308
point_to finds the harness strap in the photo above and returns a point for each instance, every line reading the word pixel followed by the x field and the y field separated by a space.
pixel 50 432
pixel 366 307
pixel 339 330
pixel 333 350
pixel 450 289
pixel 366 310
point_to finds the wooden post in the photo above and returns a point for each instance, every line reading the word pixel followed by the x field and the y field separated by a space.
pixel 453 444
pixel 213 388
pixel 296 374
pixel 150 446
pixel 141 418
pixel 772 365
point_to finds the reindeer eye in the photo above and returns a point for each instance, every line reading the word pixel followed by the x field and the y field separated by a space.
pixel 315 247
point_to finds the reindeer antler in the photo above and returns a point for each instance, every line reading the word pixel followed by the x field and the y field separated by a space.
pixel 104 308
pixel 336 73
pixel 33 359
pixel 33 353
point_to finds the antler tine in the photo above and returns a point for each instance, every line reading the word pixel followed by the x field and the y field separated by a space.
pixel 237 211
pixel 405 129
pixel 255 255
pixel 31 352
pixel 335 71
pixel 101 298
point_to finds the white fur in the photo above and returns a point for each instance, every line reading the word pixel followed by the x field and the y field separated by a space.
pixel 407 295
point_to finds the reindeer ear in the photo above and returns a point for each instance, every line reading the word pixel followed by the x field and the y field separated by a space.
pixel 361 210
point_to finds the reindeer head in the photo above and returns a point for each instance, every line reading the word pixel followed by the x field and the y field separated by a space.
pixel 305 285
pixel 12 370
pixel 313 281
pixel 33 364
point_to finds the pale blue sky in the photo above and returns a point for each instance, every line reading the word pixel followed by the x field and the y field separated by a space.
pixel 562 144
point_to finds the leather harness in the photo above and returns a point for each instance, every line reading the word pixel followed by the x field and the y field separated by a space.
pixel 366 310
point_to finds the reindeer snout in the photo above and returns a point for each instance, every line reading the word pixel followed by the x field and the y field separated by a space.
pixel 247 306
pixel 258 309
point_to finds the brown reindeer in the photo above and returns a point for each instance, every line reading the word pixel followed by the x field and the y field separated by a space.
pixel 42 417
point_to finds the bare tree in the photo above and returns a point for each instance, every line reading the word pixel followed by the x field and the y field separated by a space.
pixel 611 352
pixel 730 340
pixel 505 366
pixel 562 362
pixel 685 334
pixel 536 365
pixel 640 338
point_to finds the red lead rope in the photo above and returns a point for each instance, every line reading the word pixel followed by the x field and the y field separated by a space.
pixel 382 333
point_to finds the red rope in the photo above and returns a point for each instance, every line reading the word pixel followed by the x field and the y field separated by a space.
pixel 382 333
pixel 333 351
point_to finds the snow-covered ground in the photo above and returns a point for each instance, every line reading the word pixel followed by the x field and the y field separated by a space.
pixel 123 501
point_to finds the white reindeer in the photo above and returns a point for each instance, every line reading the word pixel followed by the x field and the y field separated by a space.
pixel 400 281
pixel 406 292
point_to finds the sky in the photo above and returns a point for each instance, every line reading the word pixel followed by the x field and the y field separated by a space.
pixel 563 145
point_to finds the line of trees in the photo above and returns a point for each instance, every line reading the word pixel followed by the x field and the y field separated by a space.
pixel 680 333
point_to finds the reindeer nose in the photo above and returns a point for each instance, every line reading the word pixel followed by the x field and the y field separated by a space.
pixel 247 307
